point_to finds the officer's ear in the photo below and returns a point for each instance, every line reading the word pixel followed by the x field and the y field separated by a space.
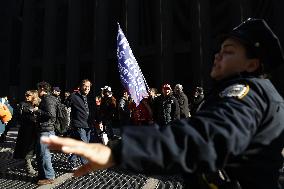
pixel 253 65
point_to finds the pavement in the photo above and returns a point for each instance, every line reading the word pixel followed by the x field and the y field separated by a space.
pixel 14 176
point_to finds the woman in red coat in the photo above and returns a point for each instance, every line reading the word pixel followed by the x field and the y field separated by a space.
pixel 142 114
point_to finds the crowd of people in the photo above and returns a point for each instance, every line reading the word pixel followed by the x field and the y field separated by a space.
pixel 85 120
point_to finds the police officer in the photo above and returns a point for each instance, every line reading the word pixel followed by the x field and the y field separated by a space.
pixel 239 128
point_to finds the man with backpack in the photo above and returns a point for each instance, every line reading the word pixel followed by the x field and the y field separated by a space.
pixel 62 114
pixel 62 119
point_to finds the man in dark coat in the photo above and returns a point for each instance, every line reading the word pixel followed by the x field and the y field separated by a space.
pixel 56 92
pixel 196 100
pixel 80 113
pixel 108 110
pixel 46 117
pixel 238 130
pixel 167 106
pixel 182 101
pixel 123 109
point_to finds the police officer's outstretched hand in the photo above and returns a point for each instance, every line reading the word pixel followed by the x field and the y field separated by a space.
pixel 98 155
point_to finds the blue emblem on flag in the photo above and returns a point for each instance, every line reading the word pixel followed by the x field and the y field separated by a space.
pixel 130 74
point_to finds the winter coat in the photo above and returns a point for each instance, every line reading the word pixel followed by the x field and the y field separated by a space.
pixel 27 132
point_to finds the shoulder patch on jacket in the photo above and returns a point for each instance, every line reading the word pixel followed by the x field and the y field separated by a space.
pixel 237 90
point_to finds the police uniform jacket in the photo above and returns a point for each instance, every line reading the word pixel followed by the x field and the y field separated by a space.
pixel 239 128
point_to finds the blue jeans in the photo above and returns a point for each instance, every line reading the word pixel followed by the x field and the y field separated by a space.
pixel 84 135
pixel 43 157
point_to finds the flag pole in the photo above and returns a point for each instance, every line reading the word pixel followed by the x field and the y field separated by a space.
pixel 145 80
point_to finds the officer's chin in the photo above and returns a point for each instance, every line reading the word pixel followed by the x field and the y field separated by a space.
pixel 213 74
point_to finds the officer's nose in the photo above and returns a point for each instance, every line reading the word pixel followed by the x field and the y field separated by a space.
pixel 217 56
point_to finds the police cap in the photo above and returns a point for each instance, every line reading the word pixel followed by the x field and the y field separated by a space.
pixel 258 36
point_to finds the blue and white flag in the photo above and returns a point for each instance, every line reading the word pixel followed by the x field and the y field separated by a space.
pixel 130 74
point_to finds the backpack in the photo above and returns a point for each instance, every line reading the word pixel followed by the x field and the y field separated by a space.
pixel 62 119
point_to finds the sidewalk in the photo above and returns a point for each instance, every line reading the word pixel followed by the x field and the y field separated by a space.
pixel 13 174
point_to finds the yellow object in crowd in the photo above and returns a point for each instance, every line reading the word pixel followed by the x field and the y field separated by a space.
pixel 5 114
